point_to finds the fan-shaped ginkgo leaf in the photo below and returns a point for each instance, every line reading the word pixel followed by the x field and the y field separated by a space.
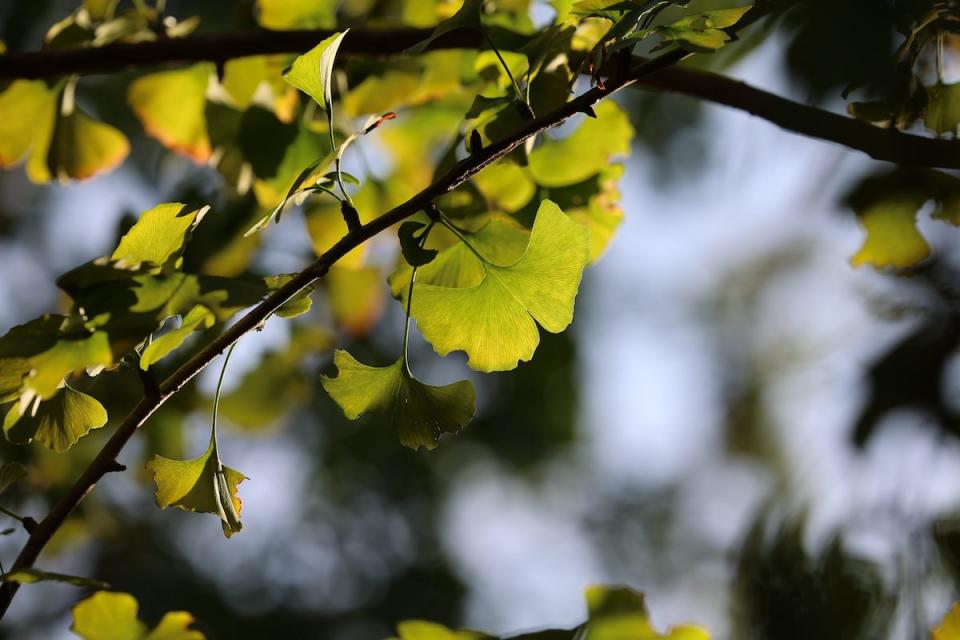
pixel 495 321
pixel 296 14
pixel 83 147
pixel 585 152
pixel 312 71
pixel 171 106
pixel 110 615
pixel 420 413
pixel 949 628
pixel 58 422
pixel 201 485
pixel 27 115
pixel 159 235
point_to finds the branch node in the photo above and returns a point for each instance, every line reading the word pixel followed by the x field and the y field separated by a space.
pixel 350 216
pixel 29 524
pixel 114 467
pixel 476 142
pixel 432 211
pixel 151 388
pixel 588 110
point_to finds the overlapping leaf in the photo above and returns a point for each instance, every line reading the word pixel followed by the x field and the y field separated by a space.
pixel 58 422
pixel 109 615
pixel 420 413
pixel 171 106
pixel 495 321
pixel 82 147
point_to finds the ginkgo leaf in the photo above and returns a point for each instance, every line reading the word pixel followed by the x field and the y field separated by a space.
pixel 703 32
pixel 356 298
pixel 949 628
pixel 585 152
pixel 295 306
pixel 942 114
pixel 10 473
pixel 201 485
pixel 27 116
pixel 495 321
pixel 110 615
pixel 506 185
pixel 159 235
pixel 467 17
pixel 420 413
pixel 500 239
pixel 83 147
pixel 296 14
pixel 196 319
pixel 620 613
pixel 32 576
pixel 312 71
pixel 171 106
pixel 411 244
pixel 887 205
pixel 423 630
pixel 58 422
pixel 48 368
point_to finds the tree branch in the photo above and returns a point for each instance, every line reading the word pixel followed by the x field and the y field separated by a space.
pixel 881 144
pixel 105 461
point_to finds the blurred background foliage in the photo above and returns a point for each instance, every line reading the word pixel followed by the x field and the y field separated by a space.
pixel 348 533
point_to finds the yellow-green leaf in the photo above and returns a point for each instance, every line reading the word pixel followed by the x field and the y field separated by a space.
pixel 201 485
pixel 419 412
pixel 949 628
pixel 109 615
pixel 357 298
pixel 58 422
pixel 423 630
pixel 27 115
pixel 32 576
pixel 296 14
pixel 312 71
pixel 171 105
pixel 495 321
pixel 83 147
pixel 196 319
pixel 159 235
pixel 584 153
pixel 619 613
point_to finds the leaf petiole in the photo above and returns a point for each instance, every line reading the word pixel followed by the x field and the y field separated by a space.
pixel 16 517
pixel 406 328
pixel 455 230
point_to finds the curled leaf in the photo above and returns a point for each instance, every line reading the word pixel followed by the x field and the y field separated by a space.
pixel 202 485
pixel 312 71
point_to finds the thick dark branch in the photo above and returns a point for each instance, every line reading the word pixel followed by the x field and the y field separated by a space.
pixel 463 171
pixel 882 144
pixel 879 143
pixel 211 48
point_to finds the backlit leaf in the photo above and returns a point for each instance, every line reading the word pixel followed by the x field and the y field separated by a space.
pixel 949 628
pixel 159 235
pixel 31 576
pixel 619 613
pixel 199 485
pixel 171 106
pixel 296 14
pixel 312 71
pixel 110 615
pixel 420 413
pixel 57 422
pixel 83 147
pixel 357 298
pixel 495 321
pixel 703 32
pixel 27 115
pixel 468 17
pixel 196 319
pixel 423 630
pixel 584 153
